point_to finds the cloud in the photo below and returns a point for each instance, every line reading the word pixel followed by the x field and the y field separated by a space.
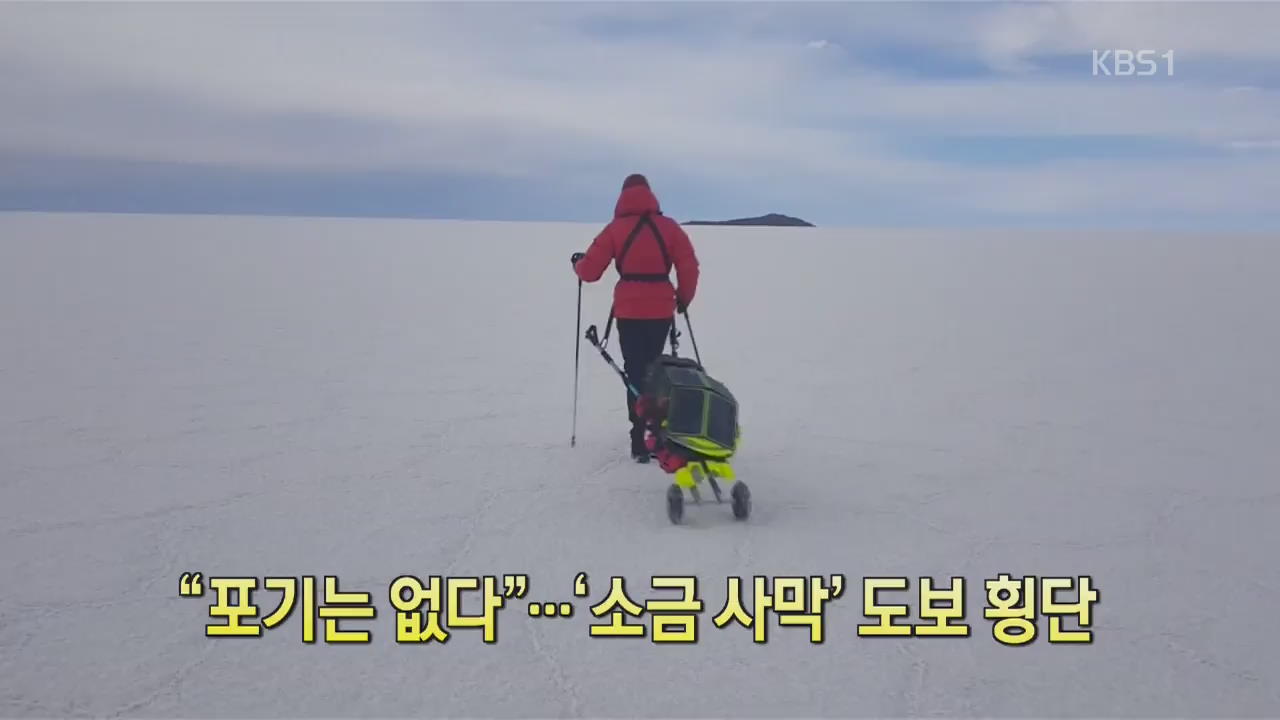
pixel 1006 38
pixel 729 96
pixel 1014 36
pixel 1254 144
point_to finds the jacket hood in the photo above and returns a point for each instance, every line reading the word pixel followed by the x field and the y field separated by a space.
pixel 636 200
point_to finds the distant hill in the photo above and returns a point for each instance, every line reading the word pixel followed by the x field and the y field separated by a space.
pixel 770 220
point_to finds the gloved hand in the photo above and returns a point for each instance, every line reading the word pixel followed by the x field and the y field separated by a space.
pixel 680 306
pixel 574 258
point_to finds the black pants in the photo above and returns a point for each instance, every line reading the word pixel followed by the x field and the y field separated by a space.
pixel 642 341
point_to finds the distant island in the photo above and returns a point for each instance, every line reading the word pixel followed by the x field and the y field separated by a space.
pixel 770 220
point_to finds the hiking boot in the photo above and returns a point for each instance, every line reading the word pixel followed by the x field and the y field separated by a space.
pixel 639 451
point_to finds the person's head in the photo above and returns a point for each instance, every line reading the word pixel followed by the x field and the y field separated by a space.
pixel 635 179
pixel 636 197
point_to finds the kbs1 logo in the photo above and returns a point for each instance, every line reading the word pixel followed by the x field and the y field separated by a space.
pixel 1131 63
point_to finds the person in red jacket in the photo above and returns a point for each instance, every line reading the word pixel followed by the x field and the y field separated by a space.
pixel 645 246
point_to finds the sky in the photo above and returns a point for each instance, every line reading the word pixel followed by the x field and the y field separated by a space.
pixel 948 114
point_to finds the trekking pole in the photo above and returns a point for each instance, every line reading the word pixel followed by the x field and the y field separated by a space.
pixel 594 339
pixel 577 349
pixel 692 339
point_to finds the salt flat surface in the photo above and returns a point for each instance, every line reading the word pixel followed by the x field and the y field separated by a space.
pixel 369 398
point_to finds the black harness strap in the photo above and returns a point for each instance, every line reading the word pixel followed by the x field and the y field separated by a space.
pixel 640 277
pixel 662 247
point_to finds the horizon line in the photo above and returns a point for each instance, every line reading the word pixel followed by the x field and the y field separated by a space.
pixel 601 223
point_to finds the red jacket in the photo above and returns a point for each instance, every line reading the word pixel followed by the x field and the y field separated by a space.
pixel 635 299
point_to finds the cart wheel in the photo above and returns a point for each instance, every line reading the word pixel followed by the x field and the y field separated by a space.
pixel 741 500
pixel 675 504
